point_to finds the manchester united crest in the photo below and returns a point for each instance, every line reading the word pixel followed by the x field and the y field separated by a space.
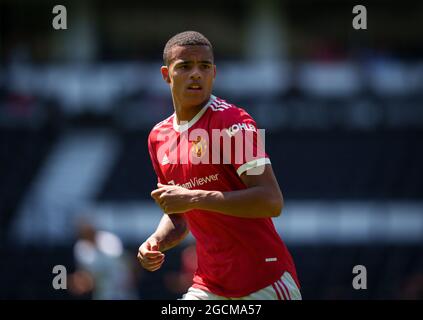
pixel 199 147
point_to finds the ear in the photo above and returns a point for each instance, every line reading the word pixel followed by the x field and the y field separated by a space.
pixel 165 73
pixel 214 70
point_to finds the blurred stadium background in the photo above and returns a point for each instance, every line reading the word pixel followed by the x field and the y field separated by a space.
pixel 343 110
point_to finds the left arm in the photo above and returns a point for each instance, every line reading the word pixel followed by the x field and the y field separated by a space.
pixel 262 198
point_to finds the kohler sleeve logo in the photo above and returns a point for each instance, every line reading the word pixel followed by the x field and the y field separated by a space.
pixel 232 130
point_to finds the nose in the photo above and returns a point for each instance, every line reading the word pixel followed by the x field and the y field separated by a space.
pixel 195 74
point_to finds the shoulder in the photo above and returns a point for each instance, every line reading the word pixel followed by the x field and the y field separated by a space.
pixel 160 127
pixel 225 113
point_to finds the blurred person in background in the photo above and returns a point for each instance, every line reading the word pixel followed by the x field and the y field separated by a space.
pixel 104 270
pixel 412 287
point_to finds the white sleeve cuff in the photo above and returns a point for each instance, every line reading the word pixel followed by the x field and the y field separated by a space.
pixel 252 164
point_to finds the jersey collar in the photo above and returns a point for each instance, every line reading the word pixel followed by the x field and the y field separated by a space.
pixel 186 125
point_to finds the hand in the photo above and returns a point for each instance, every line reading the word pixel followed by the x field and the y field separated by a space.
pixel 173 199
pixel 149 255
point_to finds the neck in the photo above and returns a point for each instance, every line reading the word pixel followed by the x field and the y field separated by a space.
pixel 186 113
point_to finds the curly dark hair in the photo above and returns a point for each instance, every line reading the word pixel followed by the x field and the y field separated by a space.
pixel 186 38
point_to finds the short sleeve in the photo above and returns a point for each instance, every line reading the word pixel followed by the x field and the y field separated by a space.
pixel 151 150
pixel 247 148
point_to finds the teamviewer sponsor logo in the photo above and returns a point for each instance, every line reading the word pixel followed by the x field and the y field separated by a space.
pixel 195 182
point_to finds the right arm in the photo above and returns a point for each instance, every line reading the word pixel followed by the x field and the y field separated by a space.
pixel 171 230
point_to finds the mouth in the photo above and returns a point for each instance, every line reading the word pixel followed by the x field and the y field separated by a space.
pixel 195 87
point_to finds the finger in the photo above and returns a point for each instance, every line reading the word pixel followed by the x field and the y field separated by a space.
pixel 151 244
pixel 151 265
pixel 149 260
pixel 150 254
pixel 157 192
pixel 143 249
pixel 155 196
pixel 153 261
pixel 162 196
pixel 140 258
pixel 153 254
pixel 156 267
pixel 147 252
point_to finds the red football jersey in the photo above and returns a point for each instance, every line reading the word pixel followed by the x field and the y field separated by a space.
pixel 236 256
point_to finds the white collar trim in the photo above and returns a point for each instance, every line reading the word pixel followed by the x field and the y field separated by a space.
pixel 189 124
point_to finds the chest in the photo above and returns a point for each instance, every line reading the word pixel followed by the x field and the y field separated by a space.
pixel 186 160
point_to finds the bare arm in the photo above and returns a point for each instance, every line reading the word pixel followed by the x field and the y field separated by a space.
pixel 262 198
pixel 171 230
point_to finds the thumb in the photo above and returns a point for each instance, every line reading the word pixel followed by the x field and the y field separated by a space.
pixel 160 185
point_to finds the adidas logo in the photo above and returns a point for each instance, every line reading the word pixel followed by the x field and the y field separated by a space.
pixel 165 160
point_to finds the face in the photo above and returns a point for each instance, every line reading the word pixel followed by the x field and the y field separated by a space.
pixel 190 75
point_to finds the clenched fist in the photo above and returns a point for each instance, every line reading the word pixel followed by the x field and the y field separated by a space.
pixel 173 199
pixel 149 255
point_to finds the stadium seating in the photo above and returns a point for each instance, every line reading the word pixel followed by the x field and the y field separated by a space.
pixel 22 151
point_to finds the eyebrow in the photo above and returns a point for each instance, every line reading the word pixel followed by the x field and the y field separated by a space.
pixel 191 61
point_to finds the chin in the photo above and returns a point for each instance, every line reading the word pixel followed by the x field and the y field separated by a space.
pixel 196 99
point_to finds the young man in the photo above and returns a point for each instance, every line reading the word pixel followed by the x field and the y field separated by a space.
pixel 227 201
